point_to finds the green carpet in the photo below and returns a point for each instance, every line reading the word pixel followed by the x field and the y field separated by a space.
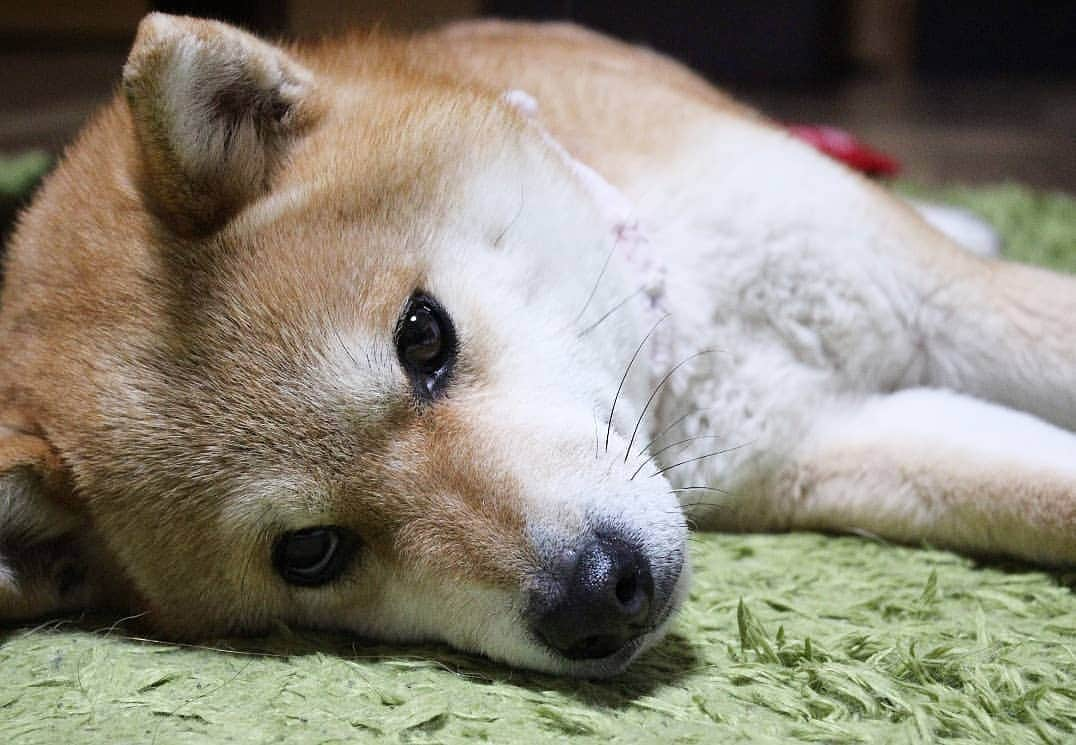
pixel 793 637
pixel 18 176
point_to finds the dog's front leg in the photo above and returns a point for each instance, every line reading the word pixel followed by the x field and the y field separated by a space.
pixel 933 466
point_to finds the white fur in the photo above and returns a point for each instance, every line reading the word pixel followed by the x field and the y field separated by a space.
pixel 550 395
pixel 792 324
pixel 819 295
pixel 809 304
pixel 932 465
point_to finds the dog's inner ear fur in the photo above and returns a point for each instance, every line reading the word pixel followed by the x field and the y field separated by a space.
pixel 214 111
pixel 43 535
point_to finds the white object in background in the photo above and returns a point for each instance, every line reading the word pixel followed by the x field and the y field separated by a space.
pixel 963 226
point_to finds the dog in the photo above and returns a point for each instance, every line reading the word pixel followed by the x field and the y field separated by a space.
pixel 445 338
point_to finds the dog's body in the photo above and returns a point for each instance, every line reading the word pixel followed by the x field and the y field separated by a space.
pixel 216 371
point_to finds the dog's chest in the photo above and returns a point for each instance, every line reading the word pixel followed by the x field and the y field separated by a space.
pixel 795 308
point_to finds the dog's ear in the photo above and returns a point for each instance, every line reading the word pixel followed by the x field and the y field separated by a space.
pixel 215 111
pixel 42 561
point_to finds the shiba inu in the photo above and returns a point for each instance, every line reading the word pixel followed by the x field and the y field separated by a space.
pixel 441 338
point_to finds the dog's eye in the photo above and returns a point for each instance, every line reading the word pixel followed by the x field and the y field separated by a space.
pixel 314 556
pixel 426 344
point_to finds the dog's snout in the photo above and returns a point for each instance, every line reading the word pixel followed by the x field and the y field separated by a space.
pixel 603 601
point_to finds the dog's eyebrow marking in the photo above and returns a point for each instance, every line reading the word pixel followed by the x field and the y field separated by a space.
pixel 276 205
pixel 259 502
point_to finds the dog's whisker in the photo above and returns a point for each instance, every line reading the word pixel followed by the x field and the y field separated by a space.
pixel 689 505
pixel 715 505
pixel 597 283
pixel 656 453
pixel 519 211
pixel 687 518
pixel 701 488
pixel 118 623
pixel 624 377
pixel 639 421
pixel 610 312
pixel 597 442
pixel 693 460
pixel 669 428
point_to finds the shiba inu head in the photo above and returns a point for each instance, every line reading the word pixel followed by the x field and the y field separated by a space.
pixel 303 336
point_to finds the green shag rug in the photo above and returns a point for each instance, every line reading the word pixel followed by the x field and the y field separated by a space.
pixel 19 174
pixel 785 638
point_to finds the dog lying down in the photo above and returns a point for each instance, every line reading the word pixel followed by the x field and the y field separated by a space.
pixel 441 338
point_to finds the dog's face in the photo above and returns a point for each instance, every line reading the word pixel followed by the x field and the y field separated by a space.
pixel 304 343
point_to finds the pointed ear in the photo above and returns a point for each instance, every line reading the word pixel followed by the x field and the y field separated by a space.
pixel 214 111
pixel 42 569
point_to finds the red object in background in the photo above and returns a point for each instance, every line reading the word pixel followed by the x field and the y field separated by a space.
pixel 838 144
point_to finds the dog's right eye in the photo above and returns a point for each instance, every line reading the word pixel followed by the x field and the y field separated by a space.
pixel 314 556
pixel 426 345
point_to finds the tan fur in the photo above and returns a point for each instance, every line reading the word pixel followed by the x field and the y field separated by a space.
pixel 170 301
pixel 941 496
pixel 627 107
pixel 172 319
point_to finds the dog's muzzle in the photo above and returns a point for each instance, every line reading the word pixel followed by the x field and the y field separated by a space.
pixel 599 600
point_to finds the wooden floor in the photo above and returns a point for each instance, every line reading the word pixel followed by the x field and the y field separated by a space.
pixel 979 131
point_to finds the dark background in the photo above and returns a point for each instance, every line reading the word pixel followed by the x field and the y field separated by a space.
pixel 957 91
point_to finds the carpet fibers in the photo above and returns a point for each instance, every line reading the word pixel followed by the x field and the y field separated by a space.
pixel 784 638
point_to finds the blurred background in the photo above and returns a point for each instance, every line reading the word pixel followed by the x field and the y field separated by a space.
pixel 955 90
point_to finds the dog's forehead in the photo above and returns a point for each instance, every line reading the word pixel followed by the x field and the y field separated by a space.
pixel 414 166
pixel 383 144
pixel 381 202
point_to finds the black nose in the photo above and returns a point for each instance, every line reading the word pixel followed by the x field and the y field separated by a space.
pixel 602 602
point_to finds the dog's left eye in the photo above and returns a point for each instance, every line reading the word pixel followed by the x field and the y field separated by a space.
pixel 314 556
pixel 426 345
